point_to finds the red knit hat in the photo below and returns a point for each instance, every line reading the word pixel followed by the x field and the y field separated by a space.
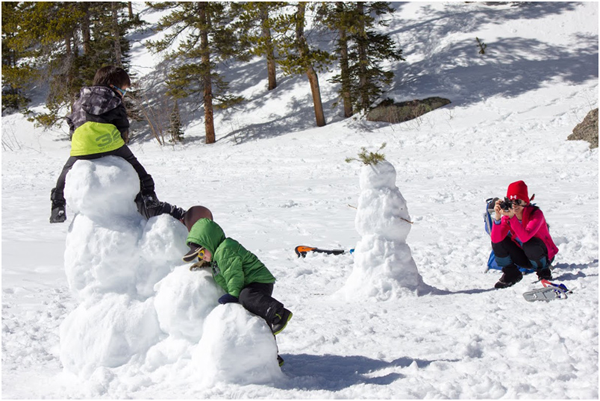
pixel 518 190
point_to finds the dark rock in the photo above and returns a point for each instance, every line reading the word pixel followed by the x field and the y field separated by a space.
pixel 587 130
pixel 391 112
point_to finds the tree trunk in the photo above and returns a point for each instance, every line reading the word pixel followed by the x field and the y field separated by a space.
pixel 69 62
pixel 266 34
pixel 130 10
pixel 344 67
pixel 85 29
pixel 209 125
pixel 313 78
pixel 116 35
pixel 363 61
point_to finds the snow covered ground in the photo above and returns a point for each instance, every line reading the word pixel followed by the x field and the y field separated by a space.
pixel 273 181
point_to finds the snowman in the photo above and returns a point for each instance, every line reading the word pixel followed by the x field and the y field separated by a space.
pixel 383 265
pixel 113 259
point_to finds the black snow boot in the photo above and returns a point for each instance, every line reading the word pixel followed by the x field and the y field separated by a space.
pixel 58 213
pixel 512 275
pixel 280 321
pixel 544 273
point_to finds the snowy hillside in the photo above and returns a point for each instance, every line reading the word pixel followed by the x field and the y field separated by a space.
pixel 274 181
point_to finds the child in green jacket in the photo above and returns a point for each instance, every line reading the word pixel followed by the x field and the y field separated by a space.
pixel 238 271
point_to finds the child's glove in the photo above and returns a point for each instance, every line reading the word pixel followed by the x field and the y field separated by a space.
pixel 228 298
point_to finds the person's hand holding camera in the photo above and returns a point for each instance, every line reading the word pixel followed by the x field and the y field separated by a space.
pixel 500 211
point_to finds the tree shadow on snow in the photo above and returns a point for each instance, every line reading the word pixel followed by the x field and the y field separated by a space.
pixel 510 67
pixel 336 372
pixel 296 115
pixel 514 75
pixel 459 18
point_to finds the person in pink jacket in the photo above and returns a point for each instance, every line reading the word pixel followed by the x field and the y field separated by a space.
pixel 520 237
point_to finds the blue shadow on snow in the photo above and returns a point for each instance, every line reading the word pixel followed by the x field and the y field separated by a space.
pixel 336 372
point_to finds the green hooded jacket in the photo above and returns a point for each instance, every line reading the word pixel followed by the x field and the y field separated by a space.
pixel 233 266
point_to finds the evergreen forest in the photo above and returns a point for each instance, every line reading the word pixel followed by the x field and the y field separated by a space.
pixel 62 44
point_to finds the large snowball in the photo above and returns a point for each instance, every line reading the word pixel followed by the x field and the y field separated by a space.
pixel 183 301
pixel 107 331
pixel 378 176
pixel 383 270
pixel 161 247
pixel 100 258
pixel 236 347
pixel 383 212
pixel 102 188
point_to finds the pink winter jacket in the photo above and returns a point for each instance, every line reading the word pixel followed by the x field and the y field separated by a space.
pixel 533 225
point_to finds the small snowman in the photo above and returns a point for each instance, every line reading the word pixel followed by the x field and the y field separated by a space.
pixel 383 265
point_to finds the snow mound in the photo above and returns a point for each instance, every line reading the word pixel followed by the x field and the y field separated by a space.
pixel 183 301
pixel 236 347
pixel 107 332
pixel 110 247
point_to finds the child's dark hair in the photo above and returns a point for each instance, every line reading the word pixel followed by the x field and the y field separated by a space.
pixel 111 75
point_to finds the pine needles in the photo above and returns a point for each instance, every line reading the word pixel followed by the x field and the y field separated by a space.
pixel 368 158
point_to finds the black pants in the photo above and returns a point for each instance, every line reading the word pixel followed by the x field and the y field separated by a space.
pixel 532 255
pixel 256 298
pixel 146 181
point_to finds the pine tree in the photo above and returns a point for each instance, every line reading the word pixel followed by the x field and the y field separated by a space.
pixel 17 71
pixel 297 56
pixel 51 28
pixel 255 22
pixel 175 127
pixel 345 79
pixel 371 49
pixel 360 51
pixel 208 37
pixel 66 43
pixel 338 17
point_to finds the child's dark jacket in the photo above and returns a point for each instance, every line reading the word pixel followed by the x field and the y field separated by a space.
pixel 98 123
pixel 233 266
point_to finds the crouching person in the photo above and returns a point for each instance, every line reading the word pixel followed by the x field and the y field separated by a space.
pixel 520 236
pixel 238 271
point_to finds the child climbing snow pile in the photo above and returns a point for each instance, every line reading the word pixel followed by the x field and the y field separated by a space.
pixel 238 271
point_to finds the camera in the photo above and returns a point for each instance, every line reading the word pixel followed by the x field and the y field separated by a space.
pixel 506 204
